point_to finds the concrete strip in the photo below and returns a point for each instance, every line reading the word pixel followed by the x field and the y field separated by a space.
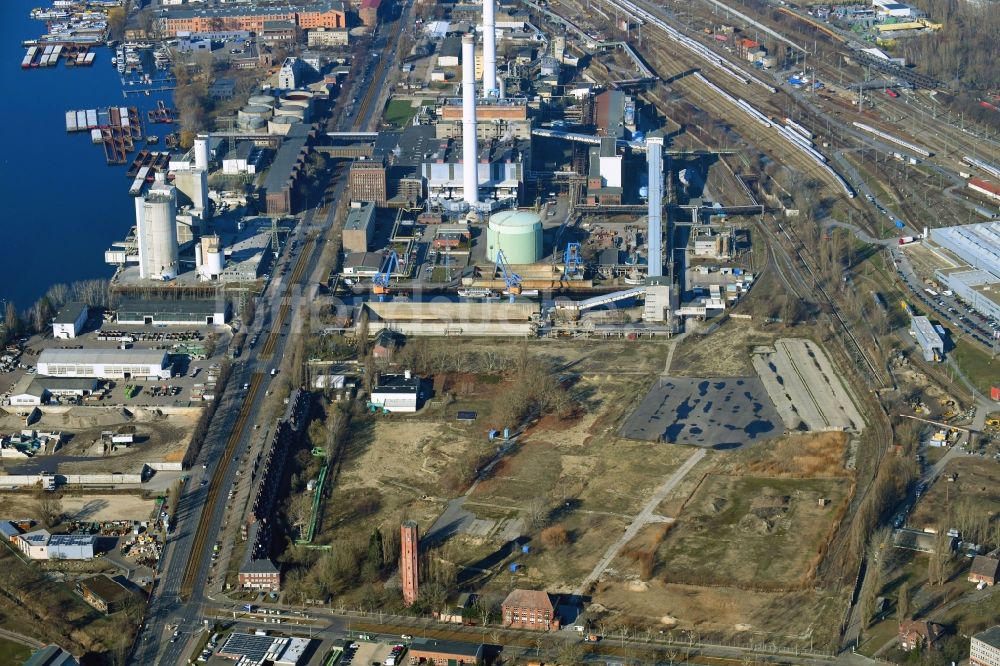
pixel 641 519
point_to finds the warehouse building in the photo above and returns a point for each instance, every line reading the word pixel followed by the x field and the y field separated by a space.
pixel 396 393
pixel 69 322
pixel 359 227
pixel 33 390
pixel 105 363
pixel 43 545
pixel 974 251
pixel 930 342
pixel 257 649
pixel 446 653
pixel 151 312
pixel 104 593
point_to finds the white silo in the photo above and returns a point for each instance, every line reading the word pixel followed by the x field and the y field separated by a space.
pixel 201 152
pixel 470 149
pixel 212 258
pixel 156 221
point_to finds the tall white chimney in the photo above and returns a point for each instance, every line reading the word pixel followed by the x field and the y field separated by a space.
pixel 489 48
pixel 470 148
pixel 201 152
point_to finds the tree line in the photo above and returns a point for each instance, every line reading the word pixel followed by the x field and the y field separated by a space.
pixel 36 318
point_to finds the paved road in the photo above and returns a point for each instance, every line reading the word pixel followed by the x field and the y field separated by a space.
pixel 15 637
pixel 166 607
pixel 641 520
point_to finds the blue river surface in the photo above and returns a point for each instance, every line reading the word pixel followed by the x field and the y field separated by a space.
pixel 61 205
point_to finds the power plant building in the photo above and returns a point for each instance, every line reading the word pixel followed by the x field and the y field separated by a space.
pixel 105 363
pixel 517 233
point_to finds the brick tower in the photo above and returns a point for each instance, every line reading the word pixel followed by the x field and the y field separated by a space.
pixel 409 542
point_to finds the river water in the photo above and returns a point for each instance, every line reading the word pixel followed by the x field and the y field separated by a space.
pixel 61 205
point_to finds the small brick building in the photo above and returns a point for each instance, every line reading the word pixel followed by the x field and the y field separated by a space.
pixel 918 634
pixel 984 569
pixel 529 609
pixel 446 653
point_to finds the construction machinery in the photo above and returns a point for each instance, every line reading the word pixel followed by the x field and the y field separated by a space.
pixel 572 261
pixel 511 279
pixel 380 283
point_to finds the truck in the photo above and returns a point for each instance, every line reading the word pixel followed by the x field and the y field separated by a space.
pixel 906 240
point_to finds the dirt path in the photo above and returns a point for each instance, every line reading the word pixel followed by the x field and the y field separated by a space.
pixel 642 518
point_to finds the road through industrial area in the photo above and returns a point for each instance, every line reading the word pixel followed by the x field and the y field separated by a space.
pixel 178 595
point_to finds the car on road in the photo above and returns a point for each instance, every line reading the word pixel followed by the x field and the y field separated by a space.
pixel 246 386
pixel 406 637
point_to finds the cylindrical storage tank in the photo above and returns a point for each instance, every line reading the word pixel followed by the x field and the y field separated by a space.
pixel 281 124
pixel 214 261
pixel 251 123
pixel 298 95
pixel 295 103
pixel 518 233
pixel 294 111
pixel 159 238
pixel 260 100
pixel 201 152
pixel 255 111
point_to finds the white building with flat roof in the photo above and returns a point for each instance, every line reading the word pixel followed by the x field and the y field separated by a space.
pixel 105 363
pixel 975 246
pixel 930 342
pixel 70 320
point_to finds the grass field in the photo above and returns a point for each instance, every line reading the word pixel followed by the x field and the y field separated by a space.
pixel 982 370
pixel 977 484
pixel 750 531
pixel 13 653
pixel 399 112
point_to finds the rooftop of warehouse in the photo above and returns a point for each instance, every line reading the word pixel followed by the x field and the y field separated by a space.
pixel 447 647
pixel 70 313
pixel 252 10
pixel 397 384
pixel 58 355
pixel 106 588
pixel 163 306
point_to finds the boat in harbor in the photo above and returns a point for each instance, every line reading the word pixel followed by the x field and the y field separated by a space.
pixel 152 139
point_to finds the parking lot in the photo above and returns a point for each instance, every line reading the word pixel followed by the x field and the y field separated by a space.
pixel 718 413
pixel 946 306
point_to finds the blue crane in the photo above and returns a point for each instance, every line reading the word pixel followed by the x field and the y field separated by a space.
pixel 380 283
pixel 572 261
pixel 511 279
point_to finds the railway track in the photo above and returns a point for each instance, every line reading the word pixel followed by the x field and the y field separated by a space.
pixel 214 488
pixel 267 351
pixel 373 89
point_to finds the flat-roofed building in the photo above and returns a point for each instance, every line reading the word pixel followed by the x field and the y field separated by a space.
pixel 156 312
pixel 252 18
pixel 974 252
pixel 104 593
pixel 359 227
pixel 327 37
pixel 930 342
pixel 70 320
pixel 984 648
pixel 43 545
pixel 446 653
pixel 367 181
pixel 105 363
pixel 396 393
